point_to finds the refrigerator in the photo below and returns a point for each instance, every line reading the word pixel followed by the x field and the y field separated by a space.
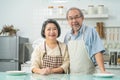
pixel 11 52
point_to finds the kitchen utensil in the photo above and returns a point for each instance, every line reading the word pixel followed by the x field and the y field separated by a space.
pixel 105 75
pixel 15 73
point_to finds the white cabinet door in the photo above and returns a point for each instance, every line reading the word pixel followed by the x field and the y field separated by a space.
pixel 26 68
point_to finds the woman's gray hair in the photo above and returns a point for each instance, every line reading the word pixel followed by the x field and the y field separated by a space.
pixel 74 8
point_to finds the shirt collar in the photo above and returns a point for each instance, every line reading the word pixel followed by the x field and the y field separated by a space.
pixel 80 31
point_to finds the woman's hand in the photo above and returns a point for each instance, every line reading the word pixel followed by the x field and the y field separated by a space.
pixel 46 71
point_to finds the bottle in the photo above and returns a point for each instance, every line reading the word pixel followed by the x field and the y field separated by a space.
pixel 50 10
pixel 118 59
pixel 115 62
pixel 112 58
pixel 100 29
pixel 61 10
pixel 100 9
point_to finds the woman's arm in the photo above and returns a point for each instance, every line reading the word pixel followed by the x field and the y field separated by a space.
pixel 66 60
pixel 42 71
pixel 57 70
pixel 36 70
pixel 47 70
pixel 35 61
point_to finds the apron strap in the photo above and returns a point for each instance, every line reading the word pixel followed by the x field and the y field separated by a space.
pixel 59 48
pixel 46 49
pixel 83 33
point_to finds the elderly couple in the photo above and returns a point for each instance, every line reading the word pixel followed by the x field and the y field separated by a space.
pixel 81 52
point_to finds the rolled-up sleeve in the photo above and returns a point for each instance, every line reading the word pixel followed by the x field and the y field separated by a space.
pixel 94 43
pixel 97 45
pixel 36 58
pixel 66 61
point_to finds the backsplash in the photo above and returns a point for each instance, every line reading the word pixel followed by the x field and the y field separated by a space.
pixel 112 40
pixel 30 16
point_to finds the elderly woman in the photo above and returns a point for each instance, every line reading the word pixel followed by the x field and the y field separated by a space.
pixel 51 56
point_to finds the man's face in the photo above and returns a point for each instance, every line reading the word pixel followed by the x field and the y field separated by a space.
pixel 75 20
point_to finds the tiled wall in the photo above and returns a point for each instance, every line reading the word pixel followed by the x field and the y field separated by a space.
pixel 112 40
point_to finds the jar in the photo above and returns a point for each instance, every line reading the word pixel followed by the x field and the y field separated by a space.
pixel 61 10
pixel 90 9
pixel 100 29
pixel 113 58
pixel 100 9
pixel 50 10
pixel 118 59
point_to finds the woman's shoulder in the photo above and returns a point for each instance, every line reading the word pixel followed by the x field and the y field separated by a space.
pixel 40 46
pixel 37 43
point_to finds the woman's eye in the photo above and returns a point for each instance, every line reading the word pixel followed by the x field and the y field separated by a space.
pixel 55 29
pixel 48 29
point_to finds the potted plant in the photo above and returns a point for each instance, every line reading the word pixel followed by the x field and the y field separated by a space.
pixel 8 30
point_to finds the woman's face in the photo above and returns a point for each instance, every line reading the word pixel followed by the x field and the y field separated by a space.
pixel 51 31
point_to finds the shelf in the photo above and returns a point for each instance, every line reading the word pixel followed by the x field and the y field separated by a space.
pixel 95 16
pixel 57 17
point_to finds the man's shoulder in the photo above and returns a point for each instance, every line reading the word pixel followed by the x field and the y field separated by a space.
pixel 62 43
pixel 89 27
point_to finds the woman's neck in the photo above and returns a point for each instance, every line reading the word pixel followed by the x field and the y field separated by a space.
pixel 51 44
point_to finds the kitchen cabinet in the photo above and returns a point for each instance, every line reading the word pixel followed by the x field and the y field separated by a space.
pixel 26 67
pixel 11 52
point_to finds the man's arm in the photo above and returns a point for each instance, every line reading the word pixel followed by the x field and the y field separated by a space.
pixel 100 62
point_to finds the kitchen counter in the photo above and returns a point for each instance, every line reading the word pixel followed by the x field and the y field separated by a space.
pixel 30 76
pixel 110 68
pixel 107 66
